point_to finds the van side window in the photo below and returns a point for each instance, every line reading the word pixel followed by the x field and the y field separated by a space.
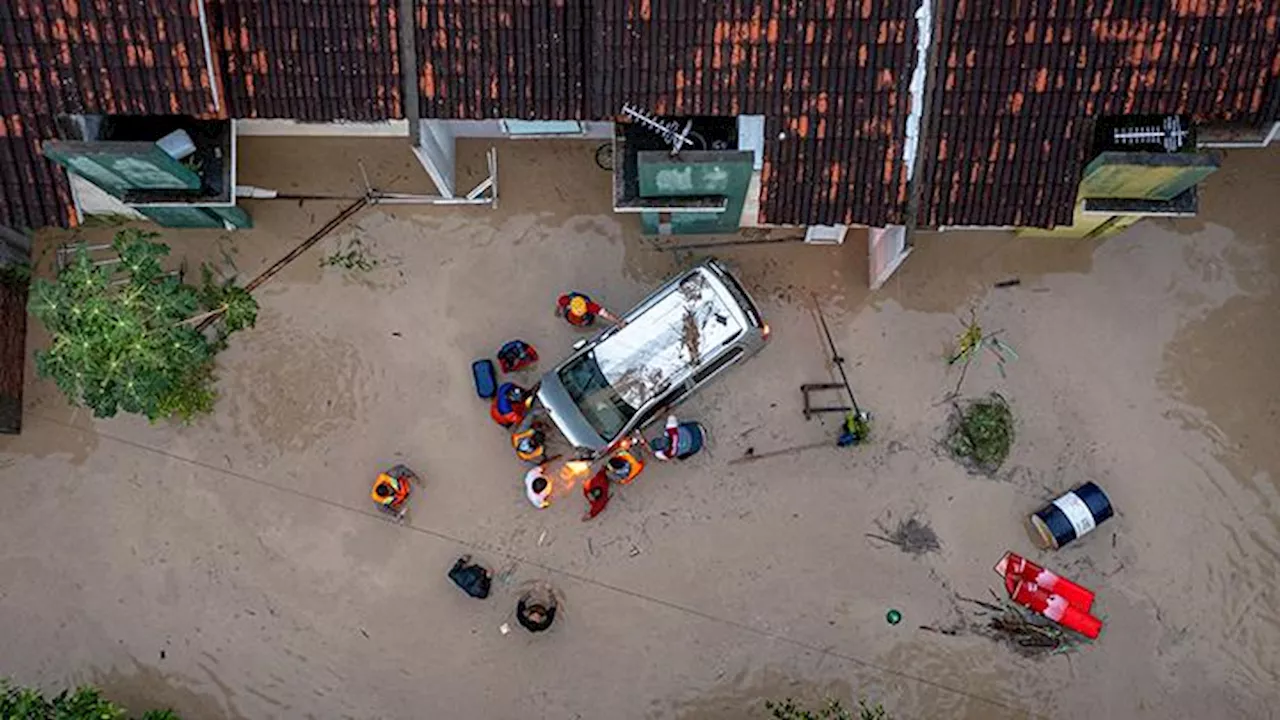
pixel 706 371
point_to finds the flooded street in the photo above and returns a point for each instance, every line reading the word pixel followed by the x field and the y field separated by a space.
pixel 235 569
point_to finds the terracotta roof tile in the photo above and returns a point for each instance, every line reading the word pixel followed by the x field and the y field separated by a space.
pixel 95 56
pixel 1015 88
pixel 1012 122
pixel 818 70
pixel 310 60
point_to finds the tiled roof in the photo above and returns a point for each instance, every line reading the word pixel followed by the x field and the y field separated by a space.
pixel 309 60
pixel 503 58
pixel 33 191
pixel 1015 85
pixel 92 56
pixel 831 76
pixel 1018 85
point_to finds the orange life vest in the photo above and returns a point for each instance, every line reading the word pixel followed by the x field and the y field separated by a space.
pixel 534 436
pixel 634 466
pixel 398 490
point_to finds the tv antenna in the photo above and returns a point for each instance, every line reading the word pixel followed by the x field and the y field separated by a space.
pixel 670 130
pixel 1170 134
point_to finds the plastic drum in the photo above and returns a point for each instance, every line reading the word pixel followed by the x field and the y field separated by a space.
pixel 1072 516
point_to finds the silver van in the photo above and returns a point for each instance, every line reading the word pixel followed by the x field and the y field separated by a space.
pixel 696 326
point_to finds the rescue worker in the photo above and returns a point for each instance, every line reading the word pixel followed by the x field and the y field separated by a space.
pixel 536 609
pixel 596 490
pixel 530 443
pixel 581 311
pixel 391 490
pixel 537 486
pixel 678 441
pixel 510 404
pixel 623 467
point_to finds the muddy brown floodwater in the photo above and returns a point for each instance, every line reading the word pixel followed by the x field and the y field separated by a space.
pixel 233 569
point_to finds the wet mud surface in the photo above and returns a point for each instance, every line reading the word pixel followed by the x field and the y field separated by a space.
pixel 234 569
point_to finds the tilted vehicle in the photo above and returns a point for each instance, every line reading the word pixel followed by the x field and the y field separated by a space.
pixel 697 325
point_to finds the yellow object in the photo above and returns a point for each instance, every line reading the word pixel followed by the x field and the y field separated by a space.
pixel 578 305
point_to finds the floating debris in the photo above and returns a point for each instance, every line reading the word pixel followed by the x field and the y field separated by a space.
pixel 911 536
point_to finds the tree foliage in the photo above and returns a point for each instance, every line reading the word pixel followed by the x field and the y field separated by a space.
pixel 83 703
pixel 832 709
pixel 125 336
pixel 982 433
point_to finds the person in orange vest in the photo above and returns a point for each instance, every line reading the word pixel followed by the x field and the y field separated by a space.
pixel 581 311
pixel 623 467
pixel 530 445
pixel 510 404
pixel 391 490
pixel 529 441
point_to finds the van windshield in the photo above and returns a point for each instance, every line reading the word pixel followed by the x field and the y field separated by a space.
pixel 598 401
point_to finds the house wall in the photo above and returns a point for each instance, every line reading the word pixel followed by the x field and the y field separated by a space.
pixel 93 200
pixel 436 151
pixel 260 127
pixel 592 130
pixel 15 249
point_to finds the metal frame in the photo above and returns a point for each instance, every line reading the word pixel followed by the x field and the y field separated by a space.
pixel 810 409
pixel 477 196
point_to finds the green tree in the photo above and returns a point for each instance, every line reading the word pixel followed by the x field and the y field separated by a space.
pixel 83 703
pixel 833 709
pixel 125 336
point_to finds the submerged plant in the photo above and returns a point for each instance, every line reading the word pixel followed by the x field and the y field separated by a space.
pixel 832 709
pixel 981 433
pixel 354 257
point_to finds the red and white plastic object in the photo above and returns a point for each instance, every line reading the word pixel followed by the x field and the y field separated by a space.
pixel 1018 566
pixel 1058 599
pixel 1056 608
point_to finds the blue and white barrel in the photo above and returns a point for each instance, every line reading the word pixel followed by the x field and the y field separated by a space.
pixel 1072 516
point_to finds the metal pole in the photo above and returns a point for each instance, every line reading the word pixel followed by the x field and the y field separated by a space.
pixel 302 247
pixel 835 356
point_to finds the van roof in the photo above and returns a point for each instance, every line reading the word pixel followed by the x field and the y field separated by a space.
pixel 666 341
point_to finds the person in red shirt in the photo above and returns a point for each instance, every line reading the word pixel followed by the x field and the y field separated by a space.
pixel 596 491
pixel 580 310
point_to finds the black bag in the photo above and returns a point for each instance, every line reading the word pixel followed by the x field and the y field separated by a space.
pixel 473 579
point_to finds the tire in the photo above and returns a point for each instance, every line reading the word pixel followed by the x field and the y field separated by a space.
pixel 604 156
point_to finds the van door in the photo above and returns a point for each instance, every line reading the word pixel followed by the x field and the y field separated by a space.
pixel 711 369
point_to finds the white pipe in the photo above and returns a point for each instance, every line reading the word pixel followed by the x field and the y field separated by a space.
pixel 249 191
pixel 208 56
pixel 919 76
pixel 428 200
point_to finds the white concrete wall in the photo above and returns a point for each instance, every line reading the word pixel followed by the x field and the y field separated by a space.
pixel 751 204
pixel 90 199
pixel 493 129
pixel 260 127
pixel 400 128
pixel 436 153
